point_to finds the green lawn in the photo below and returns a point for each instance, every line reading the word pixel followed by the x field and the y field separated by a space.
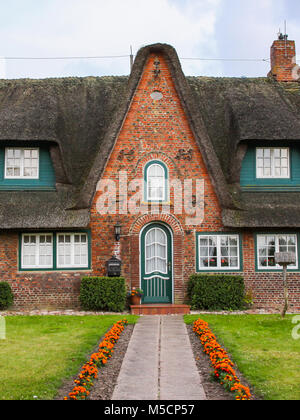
pixel 263 349
pixel 40 352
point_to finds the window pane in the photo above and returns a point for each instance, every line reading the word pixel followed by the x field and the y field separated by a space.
pixel 260 153
pixel 213 262
pixel 156 182
pixel 203 251
pixel 224 262
pixel 219 252
pixel 272 163
pixel 30 163
pixel 73 250
pixel 224 251
pixel 268 245
pixel 29 252
pixel 277 153
pixel 45 251
pixel 234 262
pixel 21 163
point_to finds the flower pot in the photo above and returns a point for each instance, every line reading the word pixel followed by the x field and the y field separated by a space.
pixel 135 300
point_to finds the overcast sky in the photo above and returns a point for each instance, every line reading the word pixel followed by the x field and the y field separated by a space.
pixel 210 29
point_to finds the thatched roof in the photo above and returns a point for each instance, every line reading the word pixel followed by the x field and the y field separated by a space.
pixel 80 118
pixel 72 115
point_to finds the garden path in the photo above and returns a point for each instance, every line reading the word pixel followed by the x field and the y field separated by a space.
pixel 159 363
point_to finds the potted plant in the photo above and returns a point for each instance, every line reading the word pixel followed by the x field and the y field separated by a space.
pixel 135 296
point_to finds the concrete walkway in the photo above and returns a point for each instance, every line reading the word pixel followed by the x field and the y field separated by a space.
pixel 159 363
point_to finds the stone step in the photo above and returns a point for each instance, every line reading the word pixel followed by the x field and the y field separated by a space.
pixel 160 309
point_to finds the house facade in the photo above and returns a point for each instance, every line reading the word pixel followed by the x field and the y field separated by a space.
pixel 198 174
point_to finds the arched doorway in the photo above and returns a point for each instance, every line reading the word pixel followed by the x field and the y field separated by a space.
pixel 156 263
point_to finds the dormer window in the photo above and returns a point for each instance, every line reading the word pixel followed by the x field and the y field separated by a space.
pixel 21 163
pixel 272 163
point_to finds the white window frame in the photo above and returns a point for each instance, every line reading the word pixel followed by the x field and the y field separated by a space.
pixel 275 267
pixel 37 264
pixel 72 265
pixel 272 158
pixel 22 158
pixel 165 178
pixel 219 257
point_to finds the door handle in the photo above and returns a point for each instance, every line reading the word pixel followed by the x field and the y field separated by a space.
pixel 170 265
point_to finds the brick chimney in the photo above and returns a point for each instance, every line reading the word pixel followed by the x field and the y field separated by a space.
pixel 283 60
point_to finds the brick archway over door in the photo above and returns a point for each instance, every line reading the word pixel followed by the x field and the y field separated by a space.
pixel 178 255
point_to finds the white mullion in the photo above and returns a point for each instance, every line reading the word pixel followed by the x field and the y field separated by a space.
pixel 238 251
pixel 72 237
pixel 37 250
pixel 218 252
pixel 22 163
pixel 272 163
pixel 277 248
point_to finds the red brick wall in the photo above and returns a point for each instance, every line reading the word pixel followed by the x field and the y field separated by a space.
pixel 48 290
pixel 283 54
pixel 267 287
pixel 152 130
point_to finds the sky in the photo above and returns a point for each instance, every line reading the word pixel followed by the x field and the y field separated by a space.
pixel 206 29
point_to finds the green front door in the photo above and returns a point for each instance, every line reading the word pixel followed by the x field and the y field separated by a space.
pixel 156 264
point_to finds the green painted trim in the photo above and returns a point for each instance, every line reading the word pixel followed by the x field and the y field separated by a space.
pixel 266 188
pixel 249 182
pixel 275 270
pixel 46 180
pixel 54 265
pixel 165 168
pixel 231 270
pixel 169 298
pixel 25 188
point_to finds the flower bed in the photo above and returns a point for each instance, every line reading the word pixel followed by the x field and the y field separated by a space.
pixel 89 371
pixel 223 366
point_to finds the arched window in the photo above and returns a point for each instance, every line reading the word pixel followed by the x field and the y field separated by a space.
pixel 156 181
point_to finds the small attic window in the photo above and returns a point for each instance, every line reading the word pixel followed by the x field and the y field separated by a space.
pixel 21 163
pixel 272 162
pixel 156 95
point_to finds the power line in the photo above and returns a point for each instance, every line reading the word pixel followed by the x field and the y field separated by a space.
pixel 127 56
pixel 226 59
pixel 65 58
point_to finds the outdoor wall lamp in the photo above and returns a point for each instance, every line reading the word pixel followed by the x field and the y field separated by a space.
pixel 118 231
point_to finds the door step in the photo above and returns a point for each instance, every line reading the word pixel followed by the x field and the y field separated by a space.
pixel 160 309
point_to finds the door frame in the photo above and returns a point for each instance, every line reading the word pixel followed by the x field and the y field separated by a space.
pixel 166 226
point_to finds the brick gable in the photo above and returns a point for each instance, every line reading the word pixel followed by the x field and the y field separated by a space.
pixel 154 130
